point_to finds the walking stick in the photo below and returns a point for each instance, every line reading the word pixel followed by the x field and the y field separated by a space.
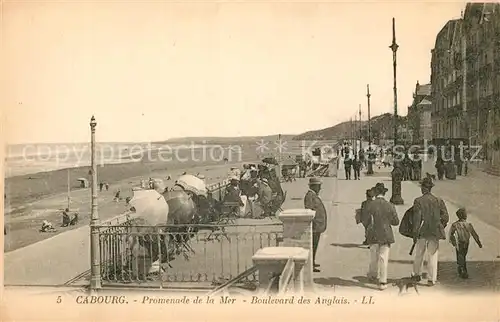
pixel 412 248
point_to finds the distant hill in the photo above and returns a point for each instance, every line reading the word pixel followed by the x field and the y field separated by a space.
pixel 226 140
pixel 381 126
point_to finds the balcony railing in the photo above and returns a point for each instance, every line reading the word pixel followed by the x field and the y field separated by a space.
pixel 164 255
pixel 274 258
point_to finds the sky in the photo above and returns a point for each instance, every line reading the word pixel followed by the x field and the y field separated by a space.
pixel 155 70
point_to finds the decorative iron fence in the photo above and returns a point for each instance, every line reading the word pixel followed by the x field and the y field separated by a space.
pixel 164 256
pixel 217 190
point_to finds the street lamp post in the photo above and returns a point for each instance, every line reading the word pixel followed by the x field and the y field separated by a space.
pixel 350 133
pixel 396 172
pixel 280 157
pixel 394 47
pixel 354 134
pixel 95 260
pixel 371 153
pixel 360 127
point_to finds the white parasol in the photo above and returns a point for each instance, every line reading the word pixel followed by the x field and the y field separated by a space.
pixel 151 206
pixel 159 185
pixel 193 184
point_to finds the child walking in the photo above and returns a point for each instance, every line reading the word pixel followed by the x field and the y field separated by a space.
pixel 460 233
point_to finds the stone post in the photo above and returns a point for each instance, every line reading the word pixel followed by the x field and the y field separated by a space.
pixel 297 232
pixel 271 261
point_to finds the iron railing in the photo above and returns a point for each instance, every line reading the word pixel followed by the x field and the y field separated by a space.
pixel 167 255
pixel 217 190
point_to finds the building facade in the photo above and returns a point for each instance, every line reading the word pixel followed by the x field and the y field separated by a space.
pixel 446 80
pixel 482 54
pixel 420 114
pixel 465 79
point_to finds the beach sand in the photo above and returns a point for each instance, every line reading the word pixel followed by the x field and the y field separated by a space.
pixel 42 196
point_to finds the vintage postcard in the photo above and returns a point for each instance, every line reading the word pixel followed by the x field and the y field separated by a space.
pixel 250 160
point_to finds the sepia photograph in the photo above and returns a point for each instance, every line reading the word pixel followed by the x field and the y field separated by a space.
pixel 281 160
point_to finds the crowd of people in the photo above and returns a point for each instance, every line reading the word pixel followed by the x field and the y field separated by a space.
pixel 252 190
pixel 355 161
pixel 67 220
pixel 424 223
pixel 454 163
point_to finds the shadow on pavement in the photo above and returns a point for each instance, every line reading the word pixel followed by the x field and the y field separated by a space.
pixel 484 276
pixel 379 175
pixel 401 261
pixel 348 245
pixel 335 281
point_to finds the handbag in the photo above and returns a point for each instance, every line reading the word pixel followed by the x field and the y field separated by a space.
pixel 406 225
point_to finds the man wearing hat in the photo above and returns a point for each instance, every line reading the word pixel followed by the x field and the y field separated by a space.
pixel 430 219
pixel 369 197
pixel 233 193
pixel 234 172
pixel 378 217
pixel 264 197
pixel 313 201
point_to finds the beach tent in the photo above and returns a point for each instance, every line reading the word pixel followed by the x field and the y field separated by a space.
pixel 84 183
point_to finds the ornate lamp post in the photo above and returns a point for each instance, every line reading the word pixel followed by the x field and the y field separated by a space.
pixel 394 47
pixel 360 127
pixel 95 260
pixel 396 174
pixel 355 135
pixel 280 157
pixel 371 154
pixel 350 134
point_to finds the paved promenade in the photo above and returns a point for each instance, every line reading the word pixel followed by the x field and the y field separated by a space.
pixel 52 261
pixel 343 260
pixel 478 191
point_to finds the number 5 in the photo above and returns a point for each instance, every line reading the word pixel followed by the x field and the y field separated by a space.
pixel 59 299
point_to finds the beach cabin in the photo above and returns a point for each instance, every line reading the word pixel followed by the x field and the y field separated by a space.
pixel 83 183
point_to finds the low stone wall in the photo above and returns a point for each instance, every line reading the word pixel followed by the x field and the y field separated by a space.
pixel 296 245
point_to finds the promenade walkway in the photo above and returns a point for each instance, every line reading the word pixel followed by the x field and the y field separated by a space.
pixel 478 191
pixel 52 261
pixel 343 260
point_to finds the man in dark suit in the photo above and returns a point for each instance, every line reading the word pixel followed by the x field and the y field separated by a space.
pixel 313 201
pixel 347 166
pixel 430 219
pixel 356 165
pixel 378 217
pixel 364 204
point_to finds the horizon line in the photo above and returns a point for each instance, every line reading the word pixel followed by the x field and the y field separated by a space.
pixel 159 141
